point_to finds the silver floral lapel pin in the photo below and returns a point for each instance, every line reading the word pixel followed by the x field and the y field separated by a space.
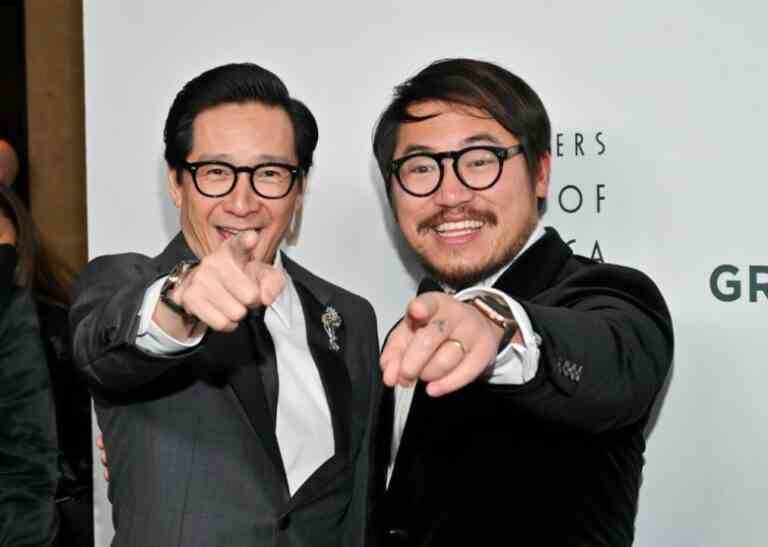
pixel 331 321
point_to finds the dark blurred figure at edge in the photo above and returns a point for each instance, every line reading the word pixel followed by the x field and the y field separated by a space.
pixel 9 163
pixel 47 281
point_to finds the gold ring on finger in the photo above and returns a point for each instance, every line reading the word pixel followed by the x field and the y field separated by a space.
pixel 459 344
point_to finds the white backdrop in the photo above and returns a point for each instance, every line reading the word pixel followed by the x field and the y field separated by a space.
pixel 667 102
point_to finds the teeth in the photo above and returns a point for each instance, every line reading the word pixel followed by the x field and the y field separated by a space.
pixel 235 231
pixel 464 225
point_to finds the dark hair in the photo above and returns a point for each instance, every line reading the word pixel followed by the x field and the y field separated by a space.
pixel 235 83
pixel 478 84
pixel 48 278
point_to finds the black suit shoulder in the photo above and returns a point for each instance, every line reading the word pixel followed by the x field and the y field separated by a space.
pixel 580 270
pixel 587 284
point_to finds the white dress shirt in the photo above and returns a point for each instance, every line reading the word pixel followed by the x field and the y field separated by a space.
pixel 304 428
pixel 515 365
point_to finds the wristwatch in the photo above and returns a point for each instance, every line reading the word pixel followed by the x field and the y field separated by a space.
pixel 495 309
pixel 174 278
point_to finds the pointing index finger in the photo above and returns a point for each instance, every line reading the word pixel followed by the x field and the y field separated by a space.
pixel 392 354
pixel 242 246
pixel 424 307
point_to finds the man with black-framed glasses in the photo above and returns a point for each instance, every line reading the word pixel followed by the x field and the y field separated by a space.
pixel 233 387
pixel 522 375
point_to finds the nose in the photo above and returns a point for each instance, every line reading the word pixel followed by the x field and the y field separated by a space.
pixel 452 192
pixel 242 200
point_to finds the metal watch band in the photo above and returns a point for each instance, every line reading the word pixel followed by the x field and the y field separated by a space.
pixel 174 277
pixel 497 311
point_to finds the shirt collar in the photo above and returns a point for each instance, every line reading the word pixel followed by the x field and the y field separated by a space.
pixel 285 306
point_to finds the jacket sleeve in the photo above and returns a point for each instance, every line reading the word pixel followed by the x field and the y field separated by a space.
pixel 104 320
pixel 28 444
pixel 606 350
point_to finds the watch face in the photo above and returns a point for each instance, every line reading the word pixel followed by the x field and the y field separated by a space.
pixel 170 283
pixel 180 269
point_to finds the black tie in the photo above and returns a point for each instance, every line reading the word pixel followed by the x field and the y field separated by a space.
pixel 266 362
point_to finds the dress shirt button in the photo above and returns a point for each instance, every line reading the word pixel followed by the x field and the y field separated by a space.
pixel 284 522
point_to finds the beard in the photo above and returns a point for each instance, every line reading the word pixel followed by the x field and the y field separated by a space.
pixel 461 276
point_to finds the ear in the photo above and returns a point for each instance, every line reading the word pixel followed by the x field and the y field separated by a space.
pixel 300 198
pixel 294 226
pixel 174 186
pixel 541 184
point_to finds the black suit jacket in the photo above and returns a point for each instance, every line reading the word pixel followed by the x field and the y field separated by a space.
pixel 556 461
pixel 28 448
pixel 193 458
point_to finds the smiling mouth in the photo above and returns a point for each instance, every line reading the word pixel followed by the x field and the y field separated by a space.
pixel 226 232
pixel 457 223
pixel 459 228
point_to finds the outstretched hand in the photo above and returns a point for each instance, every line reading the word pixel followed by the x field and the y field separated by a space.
pixel 226 284
pixel 442 341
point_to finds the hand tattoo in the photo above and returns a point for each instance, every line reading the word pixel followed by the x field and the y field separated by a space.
pixel 440 324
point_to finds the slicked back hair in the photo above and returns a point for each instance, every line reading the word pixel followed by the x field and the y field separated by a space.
pixel 238 83
pixel 472 83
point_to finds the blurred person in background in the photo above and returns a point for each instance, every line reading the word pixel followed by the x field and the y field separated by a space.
pixel 47 281
pixel 9 163
pixel 28 447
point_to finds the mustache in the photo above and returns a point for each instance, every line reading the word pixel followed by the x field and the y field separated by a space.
pixel 488 217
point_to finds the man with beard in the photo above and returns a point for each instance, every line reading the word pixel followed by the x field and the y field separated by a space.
pixel 523 380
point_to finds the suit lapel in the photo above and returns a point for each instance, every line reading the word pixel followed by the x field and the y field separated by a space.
pixel 244 379
pixel 537 268
pixel 330 363
pixel 417 418
pixel 337 385
pixel 176 251
pixel 382 440
pixel 415 425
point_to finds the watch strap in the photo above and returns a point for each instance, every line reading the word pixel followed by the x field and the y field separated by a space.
pixel 497 311
pixel 171 282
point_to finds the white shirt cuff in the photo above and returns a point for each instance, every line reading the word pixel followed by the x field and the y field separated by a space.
pixel 150 337
pixel 517 363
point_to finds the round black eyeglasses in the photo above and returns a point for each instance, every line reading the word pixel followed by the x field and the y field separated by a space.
pixel 217 178
pixel 477 167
